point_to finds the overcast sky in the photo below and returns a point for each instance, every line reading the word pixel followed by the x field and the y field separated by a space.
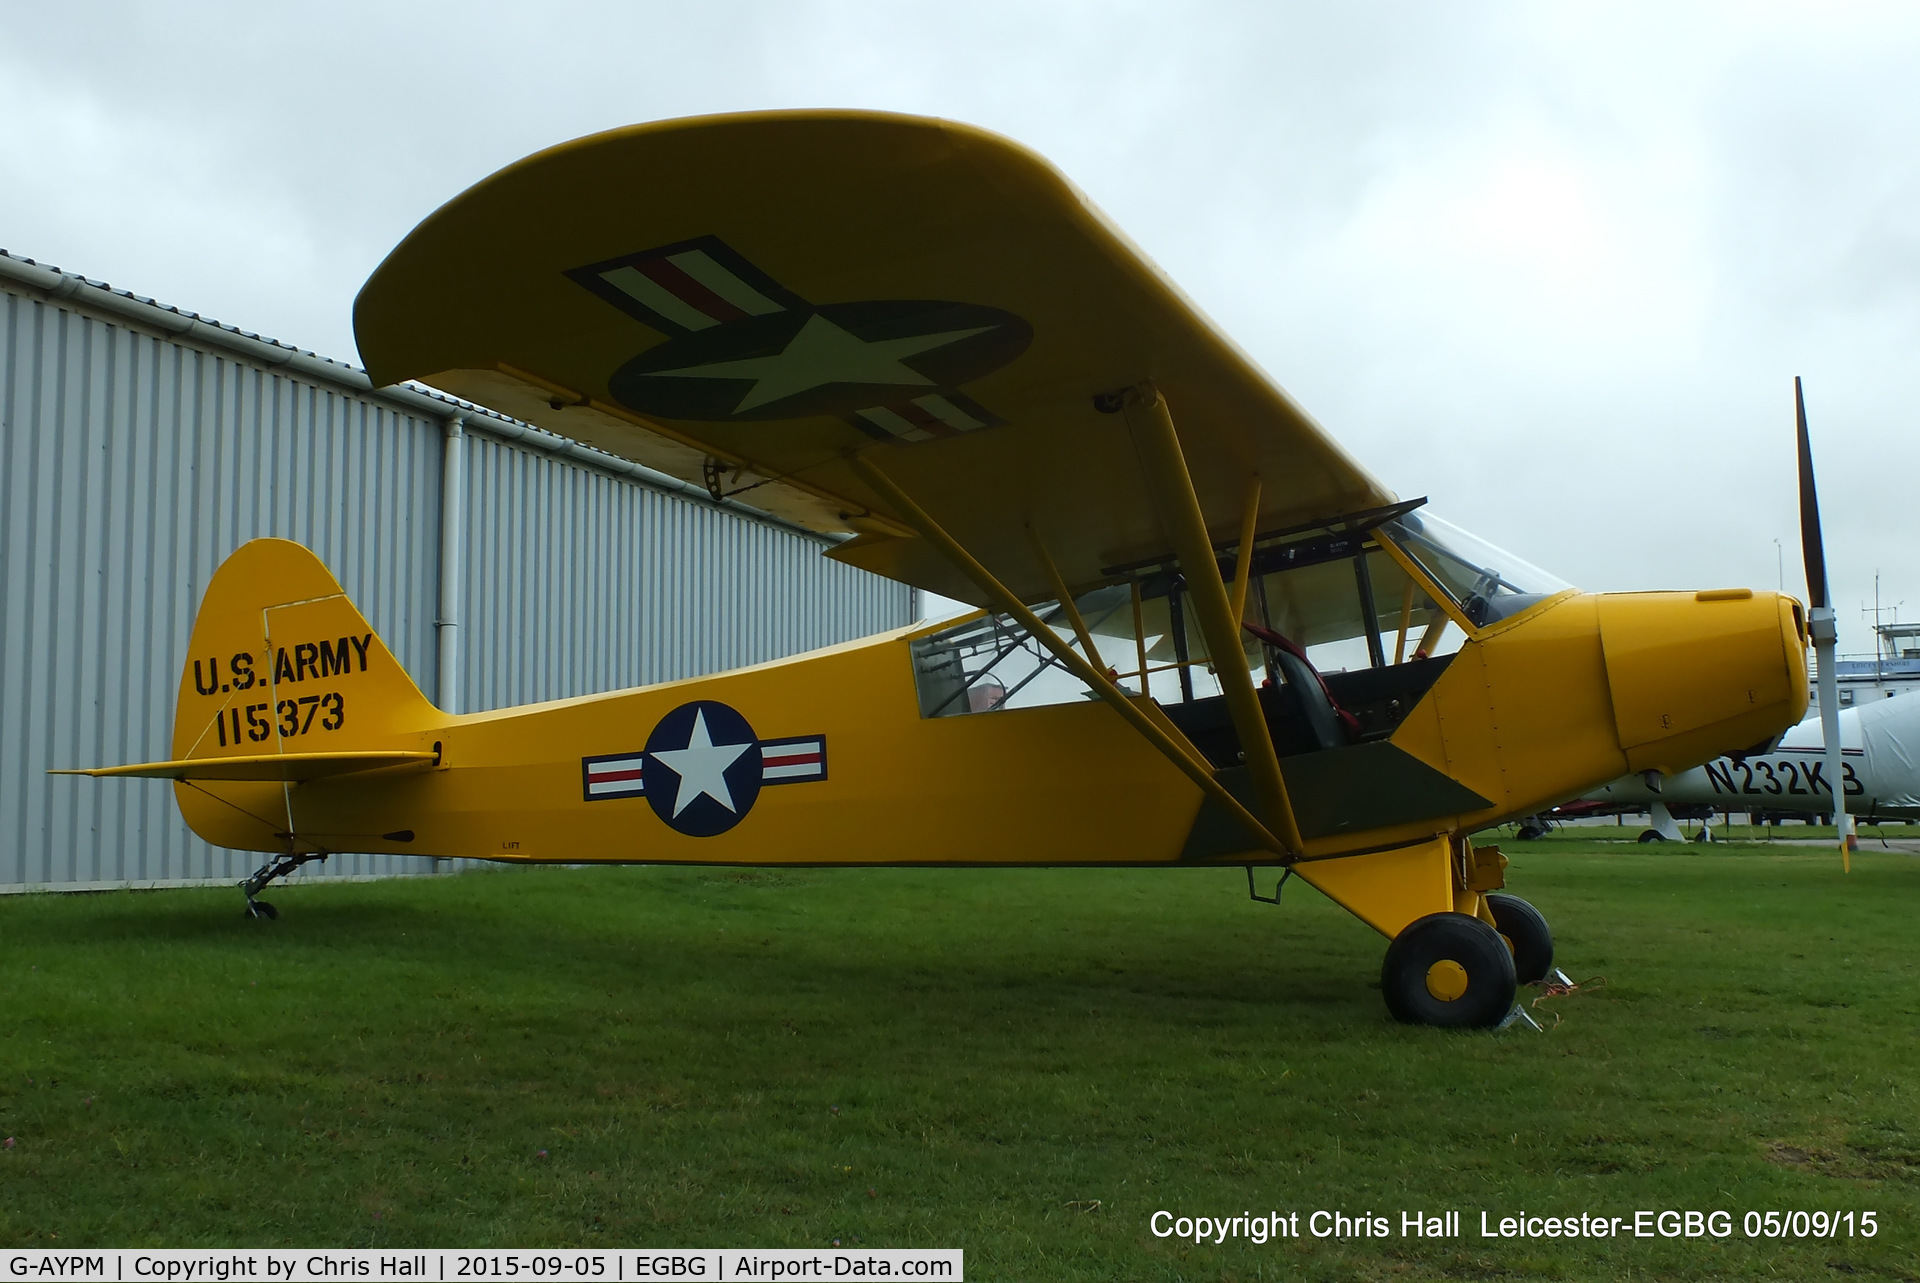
pixel 1554 265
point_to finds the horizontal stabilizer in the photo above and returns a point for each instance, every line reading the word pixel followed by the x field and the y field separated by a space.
pixel 289 767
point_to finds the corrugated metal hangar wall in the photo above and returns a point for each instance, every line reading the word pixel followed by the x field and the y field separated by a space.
pixel 140 445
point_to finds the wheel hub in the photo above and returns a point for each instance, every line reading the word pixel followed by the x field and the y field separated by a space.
pixel 1446 980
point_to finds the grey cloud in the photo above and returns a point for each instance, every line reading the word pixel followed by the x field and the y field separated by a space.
pixel 1555 266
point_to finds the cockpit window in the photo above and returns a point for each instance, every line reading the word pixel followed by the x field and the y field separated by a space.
pixel 1487 583
pixel 1337 595
pixel 986 663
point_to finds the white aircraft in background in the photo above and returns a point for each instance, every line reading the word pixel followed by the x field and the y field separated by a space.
pixel 1880 752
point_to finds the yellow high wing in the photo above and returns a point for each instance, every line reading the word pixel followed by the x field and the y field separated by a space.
pixel 750 300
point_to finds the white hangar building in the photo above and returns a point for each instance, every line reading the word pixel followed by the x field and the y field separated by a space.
pixel 140 444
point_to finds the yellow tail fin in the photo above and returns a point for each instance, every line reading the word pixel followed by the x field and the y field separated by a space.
pixel 281 662
pixel 285 682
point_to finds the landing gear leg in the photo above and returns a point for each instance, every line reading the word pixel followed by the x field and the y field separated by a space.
pixel 1447 964
pixel 1664 828
pixel 275 868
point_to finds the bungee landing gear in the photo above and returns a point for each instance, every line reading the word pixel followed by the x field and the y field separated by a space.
pixel 1463 969
pixel 1458 950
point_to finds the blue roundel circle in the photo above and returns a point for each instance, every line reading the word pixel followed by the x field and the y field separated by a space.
pixel 702 768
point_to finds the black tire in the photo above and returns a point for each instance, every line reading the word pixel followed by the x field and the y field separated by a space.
pixel 261 909
pixel 1526 933
pixel 1471 946
pixel 1529 833
pixel 1652 835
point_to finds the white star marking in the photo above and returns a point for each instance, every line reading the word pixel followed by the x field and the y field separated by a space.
pixel 702 767
pixel 823 353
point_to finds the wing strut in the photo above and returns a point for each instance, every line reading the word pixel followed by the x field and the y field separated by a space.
pixel 1164 468
pixel 1065 597
pixel 1243 564
pixel 1182 756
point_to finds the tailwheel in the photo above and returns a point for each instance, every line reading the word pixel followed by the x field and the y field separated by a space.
pixel 1526 932
pixel 279 867
pixel 1450 970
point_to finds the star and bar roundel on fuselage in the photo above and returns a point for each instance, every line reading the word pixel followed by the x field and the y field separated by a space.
pixel 703 768
pixel 741 346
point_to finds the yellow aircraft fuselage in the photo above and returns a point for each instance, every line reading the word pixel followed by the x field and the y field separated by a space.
pixel 1579 689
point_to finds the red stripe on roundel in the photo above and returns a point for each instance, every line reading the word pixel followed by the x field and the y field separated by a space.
pixel 948 413
pixel 923 420
pixel 790 759
pixel 691 292
pixel 609 777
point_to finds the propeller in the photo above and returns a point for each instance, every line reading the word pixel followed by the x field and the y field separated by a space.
pixel 1821 627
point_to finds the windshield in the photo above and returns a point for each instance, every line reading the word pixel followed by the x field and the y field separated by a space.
pixel 1487 583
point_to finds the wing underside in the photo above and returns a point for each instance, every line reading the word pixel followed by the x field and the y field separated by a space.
pixel 748 301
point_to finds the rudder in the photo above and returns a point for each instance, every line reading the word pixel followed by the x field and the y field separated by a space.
pixel 281 661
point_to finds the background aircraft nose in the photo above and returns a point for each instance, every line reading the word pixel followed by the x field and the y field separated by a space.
pixel 1696 675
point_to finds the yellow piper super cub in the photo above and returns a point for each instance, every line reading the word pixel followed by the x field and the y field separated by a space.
pixel 1209 637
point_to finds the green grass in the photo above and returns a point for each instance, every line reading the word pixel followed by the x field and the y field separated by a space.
pixel 1025 1064
pixel 1796 832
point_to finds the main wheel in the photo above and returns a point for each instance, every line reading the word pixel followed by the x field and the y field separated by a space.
pixel 1451 970
pixel 1652 835
pixel 1526 933
pixel 261 909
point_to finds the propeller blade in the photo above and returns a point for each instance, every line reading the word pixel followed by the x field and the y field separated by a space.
pixel 1820 629
pixel 1812 548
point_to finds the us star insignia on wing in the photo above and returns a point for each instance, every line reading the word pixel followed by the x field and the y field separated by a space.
pixel 741 346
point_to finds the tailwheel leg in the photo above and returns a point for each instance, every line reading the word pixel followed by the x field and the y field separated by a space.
pixel 275 868
pixel 1450 970
pixel 1526 932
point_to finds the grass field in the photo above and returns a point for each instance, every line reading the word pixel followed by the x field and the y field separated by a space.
pixel 1791 833
pixel 1025 1064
